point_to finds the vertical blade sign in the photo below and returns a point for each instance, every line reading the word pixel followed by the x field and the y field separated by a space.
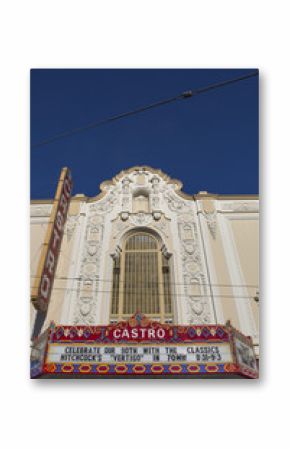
pixel 41 290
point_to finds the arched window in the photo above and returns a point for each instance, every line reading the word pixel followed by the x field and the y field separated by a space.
pixel 141 280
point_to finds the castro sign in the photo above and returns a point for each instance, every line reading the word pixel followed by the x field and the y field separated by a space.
pixel 48 261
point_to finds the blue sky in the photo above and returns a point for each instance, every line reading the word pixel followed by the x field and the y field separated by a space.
pixel 209 142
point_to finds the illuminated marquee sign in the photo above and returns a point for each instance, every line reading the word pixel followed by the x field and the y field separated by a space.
pixel 194 353
pixel 143 347
pixel 48 261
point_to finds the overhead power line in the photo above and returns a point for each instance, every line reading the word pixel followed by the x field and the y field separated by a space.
pixel 130 292
pixel 65 278
pixel 184 95
pixel 172 293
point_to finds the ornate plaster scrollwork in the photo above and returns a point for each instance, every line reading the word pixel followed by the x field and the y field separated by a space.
pixel 165 251
pixel 194 279
pixel 126 185
pixel 241 206
pixel 71 224
pixel 90 263
pixel 155 184
pixel 155 202
pixel 116 253
pixel 174 203
pixel 124 216
pixel 95 220
pixel 106 204
pixel 126 202
pixel 94 233
pixel 85 305
pixel 119 226
pixel 211 220
pixel 85 302
pixel 140 219
pixel 157 215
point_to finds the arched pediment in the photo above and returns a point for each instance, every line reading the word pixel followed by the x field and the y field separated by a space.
pixel 140 178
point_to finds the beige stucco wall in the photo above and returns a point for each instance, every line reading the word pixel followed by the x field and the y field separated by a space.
pixel 230 231
pixel 246 234
pixel 37 234
pixel 222 287
pixel 246 237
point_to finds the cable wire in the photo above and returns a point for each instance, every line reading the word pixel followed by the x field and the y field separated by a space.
pixel 110 119
pixel 64 278
pixel 184 95
pixel 161 294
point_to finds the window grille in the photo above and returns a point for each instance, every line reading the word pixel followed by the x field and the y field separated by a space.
pixel 141 280
pixel 116 283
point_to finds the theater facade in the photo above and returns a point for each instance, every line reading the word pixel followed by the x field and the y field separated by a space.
pixel 143 251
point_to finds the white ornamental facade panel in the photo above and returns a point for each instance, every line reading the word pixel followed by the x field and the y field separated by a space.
pixel 141 199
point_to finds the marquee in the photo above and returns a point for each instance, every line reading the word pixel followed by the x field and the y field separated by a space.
pixel 140 347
